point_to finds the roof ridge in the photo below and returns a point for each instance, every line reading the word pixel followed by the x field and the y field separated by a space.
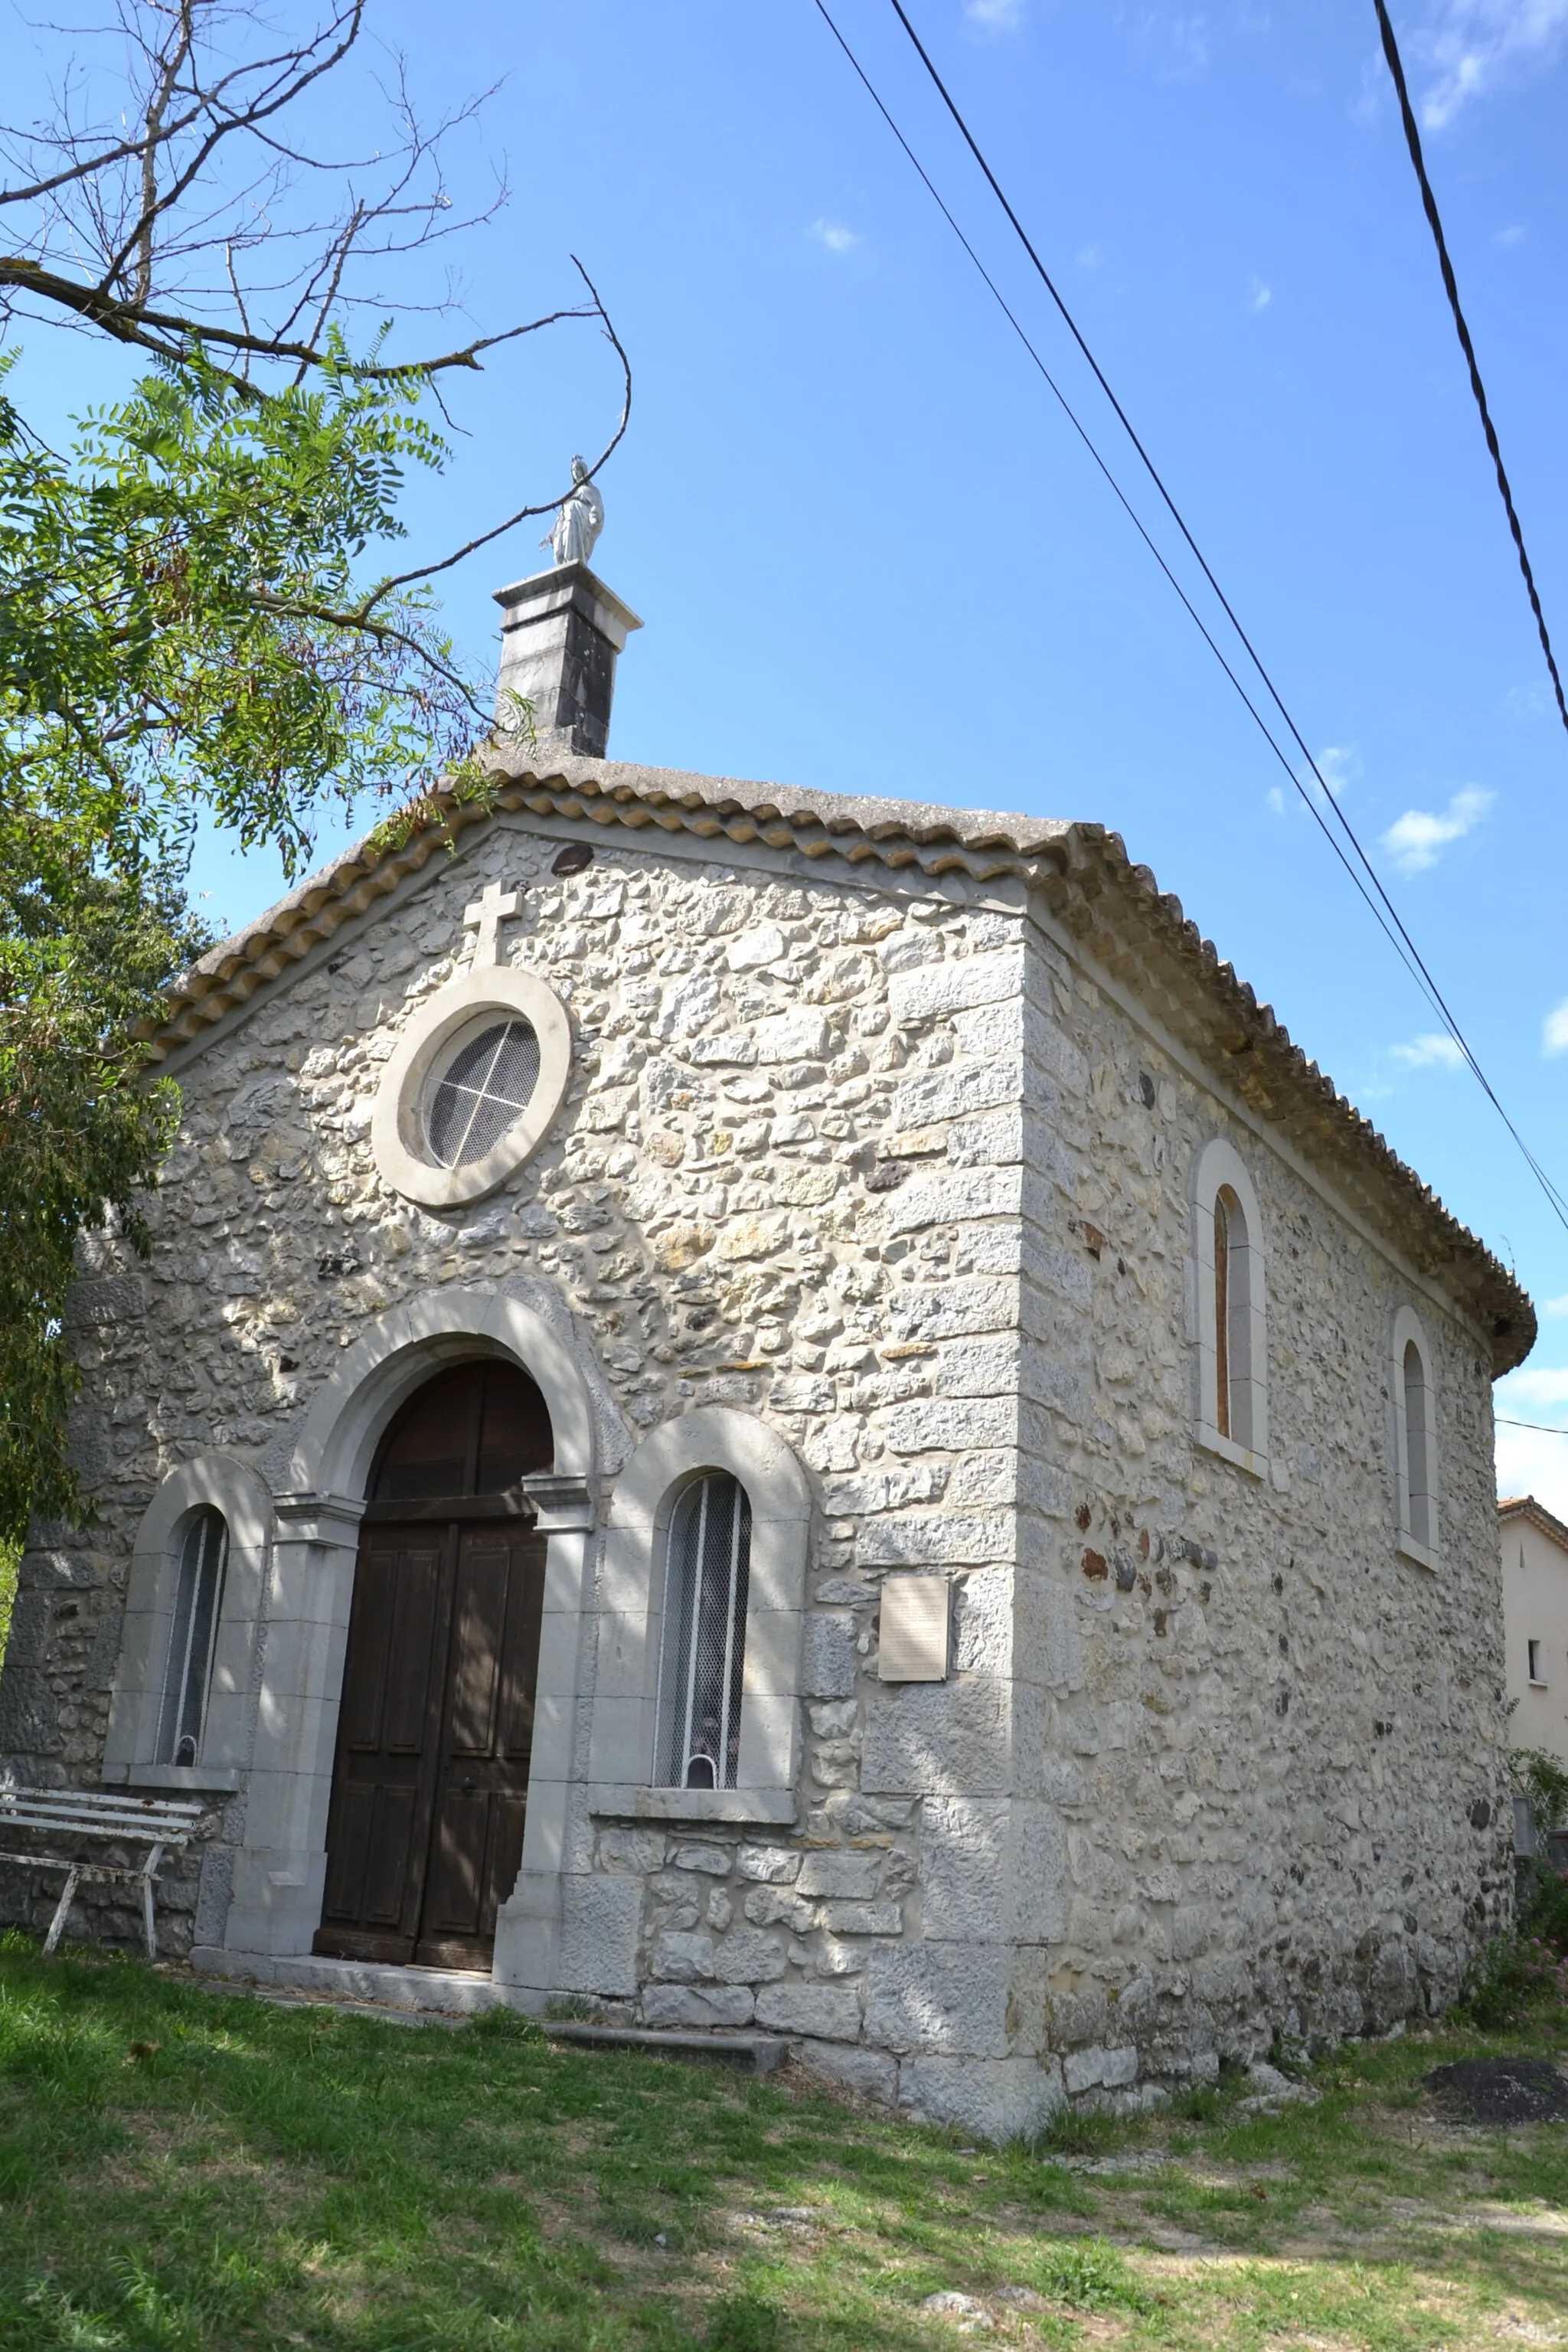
pixel 1081 868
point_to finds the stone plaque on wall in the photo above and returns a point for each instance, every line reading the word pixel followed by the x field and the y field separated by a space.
pixel 913 1643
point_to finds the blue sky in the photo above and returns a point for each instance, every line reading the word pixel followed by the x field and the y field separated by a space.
pixel 872 557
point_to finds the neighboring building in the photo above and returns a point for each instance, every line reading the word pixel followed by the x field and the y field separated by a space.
pixel 1535 1624
pixel 786 1408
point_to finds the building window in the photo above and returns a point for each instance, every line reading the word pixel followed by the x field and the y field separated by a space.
pixel 1415 1439
pixel 1231 1328
pixel 1232 1319
pixel 702 1667
pixel 1535 1673
pixel 188 1676
pixel 478 1075
pixel 483 1089
pixel 1419 1489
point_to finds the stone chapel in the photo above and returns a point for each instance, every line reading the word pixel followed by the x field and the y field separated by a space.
pixel 786 1413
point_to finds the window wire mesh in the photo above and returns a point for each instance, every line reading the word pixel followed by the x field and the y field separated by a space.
pixel 1417 1490
pixel 704 1654
pixel 483 1089
pixel 198 1601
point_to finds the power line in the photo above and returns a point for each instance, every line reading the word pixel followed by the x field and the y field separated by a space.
pixel 1402 950
pixel 1547 1428
pixel 1451 286
pixel 1382 906
pixel 1412 964
pixel 1434 993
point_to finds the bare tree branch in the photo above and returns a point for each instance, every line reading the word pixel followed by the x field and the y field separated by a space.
pixel 117 220
pixel 170 336
pixel 189 226
pixel 524 514
pixel 290 72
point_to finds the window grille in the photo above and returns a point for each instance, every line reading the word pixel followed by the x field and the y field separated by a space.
pixel 197 1603
pixel 483 1089
pixel 704 1655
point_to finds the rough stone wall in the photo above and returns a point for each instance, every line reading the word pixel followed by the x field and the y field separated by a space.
pixel 1274 1747
pixel 890 1172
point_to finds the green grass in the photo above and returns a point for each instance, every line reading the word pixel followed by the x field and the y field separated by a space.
pixel 182 2170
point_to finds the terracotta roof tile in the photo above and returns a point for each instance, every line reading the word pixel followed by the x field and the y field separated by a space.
pixel 1113 907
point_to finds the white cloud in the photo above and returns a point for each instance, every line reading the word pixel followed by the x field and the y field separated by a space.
pixel 1432 1052
pixel 1261 295
pixel 1555 1306
pixel 1533 1462
pixel 1175 41
pixel 1090 257
pixel 835 235
pixel 1417 839
pixel 1512 234
pixel 1469 45
pixel 995 15
pixel 1339 764
pixel 1554 1030
pixel 1190 40
pixel 1541 1385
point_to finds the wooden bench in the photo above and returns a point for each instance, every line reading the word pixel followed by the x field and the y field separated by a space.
pixel 97 1816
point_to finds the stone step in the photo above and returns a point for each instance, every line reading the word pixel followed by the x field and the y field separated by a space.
pixel 756 2053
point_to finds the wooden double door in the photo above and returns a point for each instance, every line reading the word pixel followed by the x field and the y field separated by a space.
pixel 430 1783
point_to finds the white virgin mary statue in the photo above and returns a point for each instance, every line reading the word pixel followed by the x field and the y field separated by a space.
pixel 580 519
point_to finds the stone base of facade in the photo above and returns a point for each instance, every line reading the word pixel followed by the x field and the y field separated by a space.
pixel 996 2099
pixel 451 1992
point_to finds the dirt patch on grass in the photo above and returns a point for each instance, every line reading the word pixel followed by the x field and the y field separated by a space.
pixel 1501 2091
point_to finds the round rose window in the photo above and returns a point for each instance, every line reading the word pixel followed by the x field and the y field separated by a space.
pixel 477 1078
pixel 484 1086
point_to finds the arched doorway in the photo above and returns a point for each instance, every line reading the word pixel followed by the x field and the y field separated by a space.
pixel 430 1779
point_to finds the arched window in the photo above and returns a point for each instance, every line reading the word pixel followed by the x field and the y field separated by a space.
pixel 1231 1328
pixel 1232 1319
pixel 1418 1490
pixel 1415 1439
pixel 702 1670
pixel 702 1651
pixel 188 1676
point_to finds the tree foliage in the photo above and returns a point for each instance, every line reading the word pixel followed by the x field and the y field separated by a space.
pixel 1543 1778
pixel 199 620
pixel 169 639
pixel 83 952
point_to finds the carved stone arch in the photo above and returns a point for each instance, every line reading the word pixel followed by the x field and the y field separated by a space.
pixel 1220 1175
pixel 712 1437
pixel 216 1482
pixel 400 1350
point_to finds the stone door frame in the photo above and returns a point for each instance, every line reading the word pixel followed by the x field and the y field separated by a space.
pixel 319 1501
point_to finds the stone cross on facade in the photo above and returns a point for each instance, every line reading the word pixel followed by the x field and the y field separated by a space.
pixel 484 915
